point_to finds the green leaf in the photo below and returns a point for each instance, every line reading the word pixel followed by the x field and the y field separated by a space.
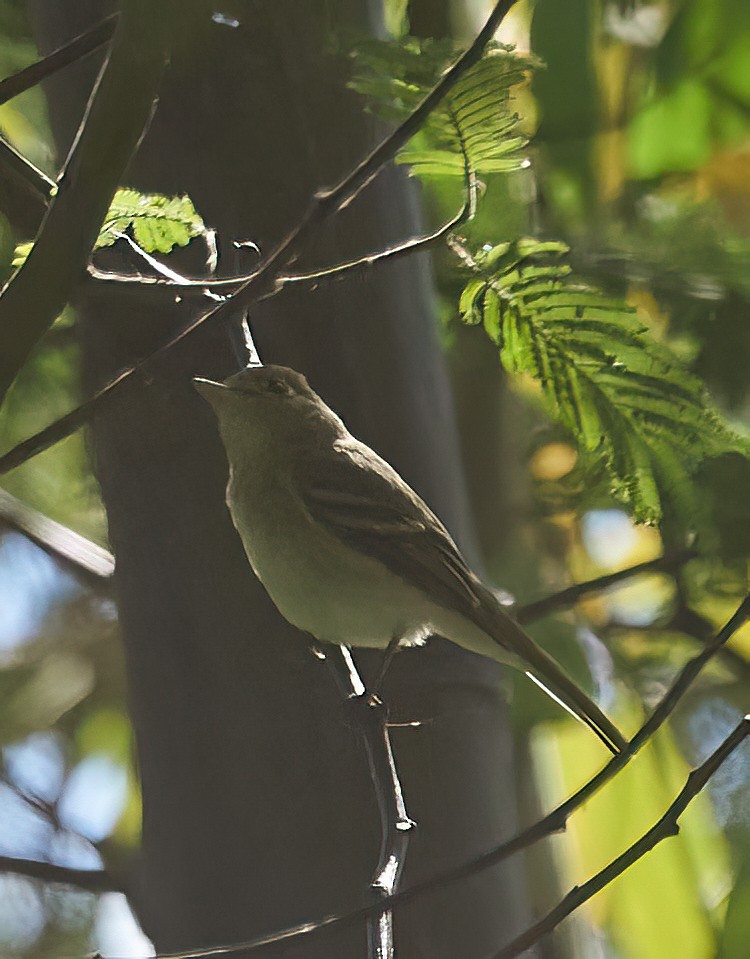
pixel 492 316
pixel 672 133
pixel 627 400
pixel 471 311
pixel 158 222
pixel 474 123
pixel 736 932
pixel 657 909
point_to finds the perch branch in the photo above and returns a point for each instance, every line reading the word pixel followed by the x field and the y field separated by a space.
pixel 553 822
pixel 395 824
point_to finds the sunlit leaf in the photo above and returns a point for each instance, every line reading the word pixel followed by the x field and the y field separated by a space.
pixel 736 933
pixel 159 223
pixel 474 123
pixel 628 401
pixel 657 908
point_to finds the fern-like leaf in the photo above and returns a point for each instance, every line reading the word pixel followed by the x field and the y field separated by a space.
pixel 626 399
pixel 474 124
pixel 159 223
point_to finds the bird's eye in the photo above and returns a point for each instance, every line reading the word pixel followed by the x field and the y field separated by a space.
pixel 277 386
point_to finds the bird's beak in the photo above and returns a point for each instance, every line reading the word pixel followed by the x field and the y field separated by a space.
pixel 208 389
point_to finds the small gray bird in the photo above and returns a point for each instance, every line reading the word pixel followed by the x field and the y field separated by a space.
pixel 346 549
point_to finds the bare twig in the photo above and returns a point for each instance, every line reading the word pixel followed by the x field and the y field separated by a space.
pixel 25 190
pixel 91 880
pixel 61 428
pixel 38 186
pixel 553 822
pixel 78 48
pixel 117 114
pixel 25 170
pixel 263 280
pixel 402 249
pixel 395 824
pixel 87 560
pixel 230 284
pixel 573 594
pixel 166 273
pixel 684 620
pixel 667 826
pixel 695 627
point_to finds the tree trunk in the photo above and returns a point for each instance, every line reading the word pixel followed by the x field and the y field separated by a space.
pixel 258 809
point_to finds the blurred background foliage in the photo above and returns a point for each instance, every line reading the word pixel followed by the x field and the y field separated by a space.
pixel 641 163
pixel 68 787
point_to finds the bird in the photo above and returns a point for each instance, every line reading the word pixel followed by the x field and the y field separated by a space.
pixel 347 551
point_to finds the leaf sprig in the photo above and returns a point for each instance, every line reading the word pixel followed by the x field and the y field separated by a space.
pixel 626 399
pixel 475 122
pixel 158 223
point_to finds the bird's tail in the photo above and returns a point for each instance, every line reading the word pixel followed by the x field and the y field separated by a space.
pixel 546 673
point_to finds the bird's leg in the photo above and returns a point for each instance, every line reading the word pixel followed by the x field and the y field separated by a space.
pixel 390 652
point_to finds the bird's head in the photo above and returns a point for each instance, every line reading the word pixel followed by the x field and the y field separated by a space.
pixel 264 403
pixel 264 383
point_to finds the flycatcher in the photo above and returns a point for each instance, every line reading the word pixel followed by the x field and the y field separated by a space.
pixel 346 549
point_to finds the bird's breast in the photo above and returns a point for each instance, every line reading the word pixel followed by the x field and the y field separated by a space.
pixel 318 583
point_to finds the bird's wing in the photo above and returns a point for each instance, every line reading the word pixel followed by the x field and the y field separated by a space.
pixel 361 500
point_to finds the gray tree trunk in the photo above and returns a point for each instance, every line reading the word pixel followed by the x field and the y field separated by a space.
pixel 258 809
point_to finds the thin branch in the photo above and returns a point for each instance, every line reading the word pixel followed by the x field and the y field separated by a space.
pixel 91 880
pixel 71 52
pixel 84 558
pixel 25 170
pixel 684 620
pixel 665 827
pixel 49 813
pixel 170 280
pixel 263 280
pixel 553 822
pixel 395 824
pixel 696 627
pixel 573 594
pixel 61 428
pixel 406 248
pixel 22 203
pixel 395 827
pixel 231 284
pixel 118 112
pixel 165 272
